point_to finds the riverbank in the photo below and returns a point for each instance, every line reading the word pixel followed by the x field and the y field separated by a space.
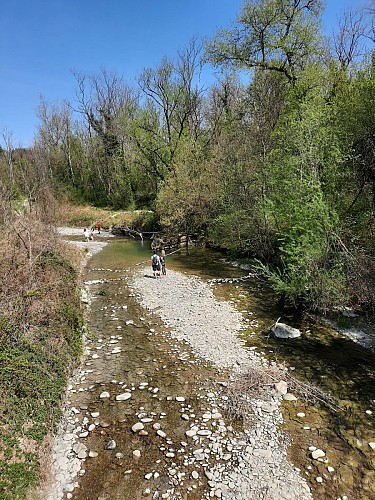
pixel 40 342
pixel 260 468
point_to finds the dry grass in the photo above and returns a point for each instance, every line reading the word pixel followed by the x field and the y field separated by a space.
pixel 88 216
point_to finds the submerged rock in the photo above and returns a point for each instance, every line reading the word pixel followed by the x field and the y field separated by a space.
pixel 111 445
pixel 283 331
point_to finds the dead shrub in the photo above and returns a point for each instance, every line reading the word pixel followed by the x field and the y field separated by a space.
pixel 255 383
pixel 258 383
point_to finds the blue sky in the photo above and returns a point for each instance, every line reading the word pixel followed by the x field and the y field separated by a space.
pixel 42 41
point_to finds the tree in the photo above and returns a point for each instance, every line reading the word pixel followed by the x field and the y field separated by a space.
pixel 54 137
pixel 108 105
pixel 275 35
pixel 172 110
pixel 8 152
pixel 348 41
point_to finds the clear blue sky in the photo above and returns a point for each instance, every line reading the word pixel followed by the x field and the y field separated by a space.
pixel 42 41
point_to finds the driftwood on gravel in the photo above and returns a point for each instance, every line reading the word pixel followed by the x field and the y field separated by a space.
pixel 257 382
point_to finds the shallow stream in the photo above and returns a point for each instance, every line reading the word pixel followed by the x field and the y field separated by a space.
pixel 156 369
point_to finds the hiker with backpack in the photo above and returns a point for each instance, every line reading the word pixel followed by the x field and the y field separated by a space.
pixel 155 264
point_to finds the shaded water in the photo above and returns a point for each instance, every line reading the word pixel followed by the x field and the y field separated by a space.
pixel 320 356
pixel 323 357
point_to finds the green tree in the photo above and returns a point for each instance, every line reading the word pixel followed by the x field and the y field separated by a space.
pixel 276 35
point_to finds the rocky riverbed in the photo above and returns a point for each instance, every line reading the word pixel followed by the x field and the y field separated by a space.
pixel 255 460
pixel 206 453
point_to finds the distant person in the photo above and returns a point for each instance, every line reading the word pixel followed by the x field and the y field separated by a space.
pixel 162 263
pixel 98 226
pixel 155 264
pixel 86 234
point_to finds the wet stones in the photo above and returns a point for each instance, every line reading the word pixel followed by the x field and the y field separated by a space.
pixel 111 445
pixel 289 397
pixel 80 450
pixel 138 427
pixel 124 396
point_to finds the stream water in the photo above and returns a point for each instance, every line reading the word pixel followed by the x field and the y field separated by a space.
pixel 155 369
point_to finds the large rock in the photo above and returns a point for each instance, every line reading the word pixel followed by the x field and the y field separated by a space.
pixel 283 331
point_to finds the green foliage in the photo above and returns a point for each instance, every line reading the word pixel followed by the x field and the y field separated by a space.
pixel 310 266
pixel 275 35
pixel 146 220
pixel 17 478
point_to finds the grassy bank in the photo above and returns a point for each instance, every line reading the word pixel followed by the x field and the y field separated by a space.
pixel 40 342
pixel 88 216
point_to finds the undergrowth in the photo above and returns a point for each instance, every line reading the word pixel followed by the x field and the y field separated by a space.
pixel 40 341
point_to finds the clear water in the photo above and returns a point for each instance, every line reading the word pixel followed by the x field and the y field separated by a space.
pixel 321 356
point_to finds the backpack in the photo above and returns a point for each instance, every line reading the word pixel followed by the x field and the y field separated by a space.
pixel 155 260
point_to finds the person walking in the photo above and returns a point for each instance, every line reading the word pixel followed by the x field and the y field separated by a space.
pixel 155 265
pixel 162 263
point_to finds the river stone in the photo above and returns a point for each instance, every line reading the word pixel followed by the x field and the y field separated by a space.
pixel 138 427
pixel 161 433
pixel 318 454
pixel 301 414
pixel 93 454
pixel 281 387
pixel 289 397
pixel 136 453
pixel 372 445
pixel 79 448
pixel 123 397
pixel 180 399
pixel 111 445
pixel 204 432
pixel 191 433
pixel 104 394
pixel 283 331
pixel 104 424
pixel 195 474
